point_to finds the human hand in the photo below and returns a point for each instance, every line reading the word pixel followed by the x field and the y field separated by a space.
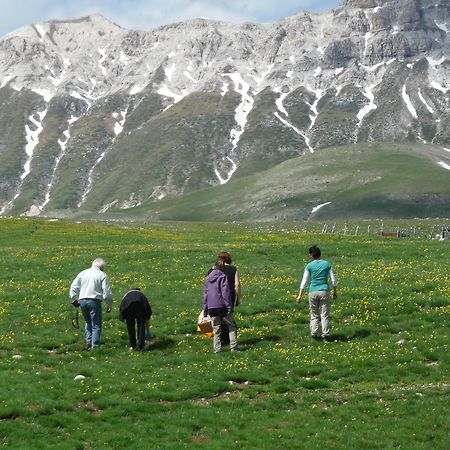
pixel 335 296
pixel 299 299
pixel 108 309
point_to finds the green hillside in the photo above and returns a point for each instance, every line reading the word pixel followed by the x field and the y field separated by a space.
pixel 360 181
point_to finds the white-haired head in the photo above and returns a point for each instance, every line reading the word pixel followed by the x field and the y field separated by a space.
pixel 99 262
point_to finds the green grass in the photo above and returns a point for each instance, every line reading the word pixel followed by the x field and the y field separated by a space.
pixel 383 383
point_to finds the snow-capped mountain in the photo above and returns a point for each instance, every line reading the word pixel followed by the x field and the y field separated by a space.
pixel 96 117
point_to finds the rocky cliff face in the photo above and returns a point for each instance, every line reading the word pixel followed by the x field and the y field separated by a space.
pixel 96 117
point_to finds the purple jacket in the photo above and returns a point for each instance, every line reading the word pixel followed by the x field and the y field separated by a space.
pixel 217 292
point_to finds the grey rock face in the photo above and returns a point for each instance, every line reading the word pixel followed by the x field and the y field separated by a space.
pixel 94 116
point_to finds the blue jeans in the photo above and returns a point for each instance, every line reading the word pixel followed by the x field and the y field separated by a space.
pixel 92 313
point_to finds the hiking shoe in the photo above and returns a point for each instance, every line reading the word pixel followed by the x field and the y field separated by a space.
pixel 315 337
pixel 326 339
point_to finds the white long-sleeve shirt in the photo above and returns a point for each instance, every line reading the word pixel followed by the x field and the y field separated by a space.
pixel 93 284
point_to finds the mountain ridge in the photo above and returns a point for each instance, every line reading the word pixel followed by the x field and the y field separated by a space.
pixel 85 103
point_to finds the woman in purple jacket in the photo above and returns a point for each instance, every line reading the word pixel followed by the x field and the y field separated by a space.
pixel 217 302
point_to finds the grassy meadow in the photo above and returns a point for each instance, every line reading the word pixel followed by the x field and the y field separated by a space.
pixel 382 383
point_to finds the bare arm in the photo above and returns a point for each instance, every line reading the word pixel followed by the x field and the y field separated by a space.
pixel 237 287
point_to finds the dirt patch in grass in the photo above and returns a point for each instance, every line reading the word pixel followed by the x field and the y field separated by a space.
pixel 201 439
pixel 90 406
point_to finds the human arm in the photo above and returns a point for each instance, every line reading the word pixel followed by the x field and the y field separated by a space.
pixel 303 284
pixel 74 291
pixel 205 301
pixel 148 308
pixel 237 287
pixel 226 294
pixel 334 284
pixel 107 293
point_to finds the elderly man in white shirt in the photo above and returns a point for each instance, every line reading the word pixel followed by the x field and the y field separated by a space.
pixel 88 290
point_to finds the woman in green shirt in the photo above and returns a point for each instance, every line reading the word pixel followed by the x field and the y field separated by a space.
pixel 316 273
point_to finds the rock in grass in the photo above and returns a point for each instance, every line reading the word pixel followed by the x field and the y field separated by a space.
pixel 17 357
pixel 79 378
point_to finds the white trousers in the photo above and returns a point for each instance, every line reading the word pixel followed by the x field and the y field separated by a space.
pixel 320 307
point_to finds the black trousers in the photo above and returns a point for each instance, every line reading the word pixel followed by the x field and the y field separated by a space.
pixel 135 315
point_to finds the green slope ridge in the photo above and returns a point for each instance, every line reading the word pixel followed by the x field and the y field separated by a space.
pixel 358 181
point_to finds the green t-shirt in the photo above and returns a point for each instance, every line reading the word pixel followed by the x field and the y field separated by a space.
pixel 318 275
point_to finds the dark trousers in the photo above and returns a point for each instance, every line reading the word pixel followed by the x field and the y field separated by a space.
pixel 135 315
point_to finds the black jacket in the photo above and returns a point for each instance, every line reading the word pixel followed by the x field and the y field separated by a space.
pixel 132 297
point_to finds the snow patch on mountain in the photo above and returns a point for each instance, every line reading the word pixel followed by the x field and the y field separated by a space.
pixel 408 102
pixel 41 30
pixel 371 106
pixel 292 127
pixel 368 36
pixel 118 126
pixel 316 208
pixel 77 95
pixel 102 60
pixel 422 99
pixel 319 93
pixel 442 26
pixel 243 109
pixel 169 71
pixel 45 93
pixel 241 115
pixel 32 140
pixel 166 92
pixel 230 173
pixel 439 87
pixel 444 165
pixel 435 63
pixel 62 144
pixel 259 80
pixel 6 80
pixel 279 101
pixel 225 89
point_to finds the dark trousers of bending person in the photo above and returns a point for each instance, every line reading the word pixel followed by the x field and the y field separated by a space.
pixel 135 319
